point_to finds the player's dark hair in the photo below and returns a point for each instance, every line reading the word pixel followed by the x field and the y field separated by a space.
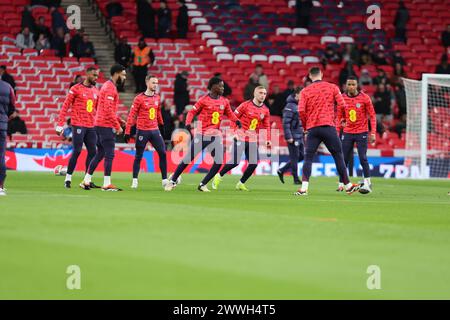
pixel 297 90
pixel 90 69
pixel 352 78
pixel 213 81
pixel 149 76
pixel 117 68
pixel 314 71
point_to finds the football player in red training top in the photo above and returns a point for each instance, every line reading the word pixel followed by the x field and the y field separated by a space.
pixel 318 116
pixel 145 113
pixel 107 125
pixel 255 118
pixel 81 105
pixel 210 110
pixel 358 109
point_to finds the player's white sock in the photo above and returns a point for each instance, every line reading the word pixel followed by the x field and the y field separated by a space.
pixel 87 178
pixel 341 185
pixel 164 182
pixel 367 182
pixel 305 185
pixel 68 177
pixel 106 181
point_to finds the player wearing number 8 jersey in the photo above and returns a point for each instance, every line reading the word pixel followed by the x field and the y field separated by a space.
pixel 146 114
pixel 80 104
pixel 354 118
pixel 255 118
pixel 210 110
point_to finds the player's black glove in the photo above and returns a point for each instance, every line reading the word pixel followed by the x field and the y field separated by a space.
pixel 239 124
pixel 126 138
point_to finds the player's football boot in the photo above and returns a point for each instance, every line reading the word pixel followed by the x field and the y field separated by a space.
pixel 355 187
pixel 134 184
pixel 301 193
pixel 241 187
pixel 340 189
pixel 2 192
pixel 67 184
pixel 280 175
pixel 203 188
pixel 85 186
pixel 170 186
pixel 164 182
pixel 365 188
pixel 93 186
pixel 111 187
pixel 216 181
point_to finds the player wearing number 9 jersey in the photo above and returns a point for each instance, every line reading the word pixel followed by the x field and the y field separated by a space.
pixel 80 105
pixel 210 110
pixel 354 118
pixel 146 114
pixel 255 118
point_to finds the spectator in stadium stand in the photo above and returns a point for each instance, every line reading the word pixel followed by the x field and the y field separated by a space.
pixel 398 58
pixel 114 9
pixel 182 20
pixel 365 55
pixel 350 53
pixel 16 125
pixel 290 89
pixel 262 78
pixel 443 67
pixel 58 20
pixel 41 28
pixel 227 89
pixel 59 42
pixel 5 76
pixel 381 77
pixel 445 37
pixel 303 11
pixel 86 48
pixel 28 19
pixel 42 43
pixel 365 79
pixel 398 73
pixel 122 52
pixel 164 20
pixel 400 98
pixel 78 79
pixel 330 56
pixel 168 113
pixel 276 101
pixel 251 86
pixel 142 57
pixel 382 102
pixel 24 39
pixel 75 41
pixel 146 18
pixel 346 72
pixel 400 22
pixel 380 59
pixel 181 92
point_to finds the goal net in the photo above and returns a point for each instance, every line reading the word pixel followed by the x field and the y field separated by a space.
pixel 428 126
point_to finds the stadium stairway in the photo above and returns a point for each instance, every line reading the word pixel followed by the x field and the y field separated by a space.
pixel 104 48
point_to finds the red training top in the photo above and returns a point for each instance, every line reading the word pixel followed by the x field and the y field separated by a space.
pixel 145 113
pixel 107 105
pixel 356 112
pixel 253 119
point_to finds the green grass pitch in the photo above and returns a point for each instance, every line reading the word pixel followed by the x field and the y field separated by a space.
pixel 265 244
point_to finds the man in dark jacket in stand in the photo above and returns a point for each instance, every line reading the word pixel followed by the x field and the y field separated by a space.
pixel 293 134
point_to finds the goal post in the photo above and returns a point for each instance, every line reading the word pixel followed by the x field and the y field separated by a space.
pixel 428 125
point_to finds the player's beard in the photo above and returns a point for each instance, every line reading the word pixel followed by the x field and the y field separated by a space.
pixel 119 82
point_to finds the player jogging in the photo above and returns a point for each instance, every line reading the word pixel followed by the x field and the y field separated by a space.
pixel 210 110
pixel 81 105
pixel 293 133
pixel 145 113
pixel 254 116
pixel 7 111
pixel 107 126
pixel 358 108
pixel 317 113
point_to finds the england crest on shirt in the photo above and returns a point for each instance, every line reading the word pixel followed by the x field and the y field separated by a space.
pixel 358 105
pixel 262 116
pixel 222 107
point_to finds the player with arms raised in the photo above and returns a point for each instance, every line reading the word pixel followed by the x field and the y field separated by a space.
pixel 255 117
pixel 354 118
pixel 81 105
pixel 107 125
pixel 145 113
pixel 317 113
pixel 210 110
